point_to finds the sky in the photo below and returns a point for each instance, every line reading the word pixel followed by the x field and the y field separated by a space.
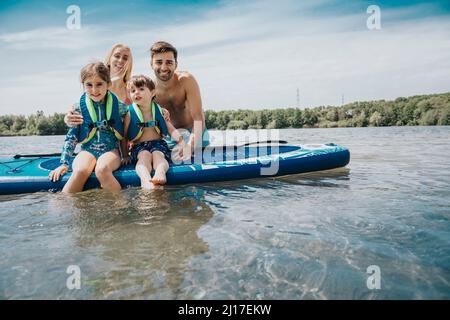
pixel 244 54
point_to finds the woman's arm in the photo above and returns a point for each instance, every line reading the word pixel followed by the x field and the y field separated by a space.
pixel 74 118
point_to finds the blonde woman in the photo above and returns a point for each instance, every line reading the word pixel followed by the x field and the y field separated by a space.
pixel 120 64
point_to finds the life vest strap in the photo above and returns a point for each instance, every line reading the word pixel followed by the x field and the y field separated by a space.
pixel 102 124
pixel 148 124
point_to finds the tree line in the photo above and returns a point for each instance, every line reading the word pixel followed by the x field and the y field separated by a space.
pixel 416 110
pixel 425 110
pixel 35 124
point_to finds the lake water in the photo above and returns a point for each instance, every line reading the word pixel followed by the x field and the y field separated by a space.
pixel 307 236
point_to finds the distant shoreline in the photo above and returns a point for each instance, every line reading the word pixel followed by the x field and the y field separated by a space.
pixel 425 110
pixel 287 128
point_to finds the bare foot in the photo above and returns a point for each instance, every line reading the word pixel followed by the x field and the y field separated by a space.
pixel 147 185
pixel 160 177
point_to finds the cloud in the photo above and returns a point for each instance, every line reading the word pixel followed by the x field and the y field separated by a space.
pixel 256 54
pixel 52 91
pixel 49 38
pixel 264 64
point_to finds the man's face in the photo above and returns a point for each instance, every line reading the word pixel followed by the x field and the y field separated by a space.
pixel 164 65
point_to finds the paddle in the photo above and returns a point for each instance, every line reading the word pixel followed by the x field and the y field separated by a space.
pixel 37 155
pixel 263 142
pixel 250 143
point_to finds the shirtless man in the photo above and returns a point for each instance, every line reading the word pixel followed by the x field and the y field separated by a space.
pixel 179 93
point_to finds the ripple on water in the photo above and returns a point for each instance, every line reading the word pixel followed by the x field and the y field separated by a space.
pixel 309 236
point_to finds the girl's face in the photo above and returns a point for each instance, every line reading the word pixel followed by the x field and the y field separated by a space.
pixel 96 88
pixel 119 60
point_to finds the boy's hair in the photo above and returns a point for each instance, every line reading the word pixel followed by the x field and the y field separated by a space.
pixel 141 81
pixel 126 73
pixel 95 69
pixel 161 47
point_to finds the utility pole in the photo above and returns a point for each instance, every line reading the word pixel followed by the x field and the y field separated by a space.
pixel 342 100
pixel 298 98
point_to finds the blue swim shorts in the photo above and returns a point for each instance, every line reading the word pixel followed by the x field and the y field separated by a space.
pixel 151 146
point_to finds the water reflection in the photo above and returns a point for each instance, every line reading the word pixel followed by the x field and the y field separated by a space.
pixel 336 178
pixel 327 178
pixel 309 236
pixel 144 240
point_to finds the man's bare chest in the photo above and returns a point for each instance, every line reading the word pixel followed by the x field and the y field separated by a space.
pixel 172 100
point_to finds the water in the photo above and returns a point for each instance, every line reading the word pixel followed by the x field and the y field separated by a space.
pixel 307 236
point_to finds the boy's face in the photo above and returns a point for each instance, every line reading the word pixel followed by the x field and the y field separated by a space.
pixel 164 65
pixel 142 96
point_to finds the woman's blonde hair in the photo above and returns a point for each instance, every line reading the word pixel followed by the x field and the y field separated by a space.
pixel 126 73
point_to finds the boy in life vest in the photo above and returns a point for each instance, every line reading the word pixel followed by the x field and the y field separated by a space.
pixel 144 127
pixel 99 134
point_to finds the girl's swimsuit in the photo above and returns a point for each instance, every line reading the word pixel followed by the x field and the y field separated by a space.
pixel 103 141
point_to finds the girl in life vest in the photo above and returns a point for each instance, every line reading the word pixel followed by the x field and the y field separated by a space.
pixel 98 135
pixel 145 126
pixel 119 61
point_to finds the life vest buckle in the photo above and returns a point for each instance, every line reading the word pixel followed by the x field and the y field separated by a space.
pixel 102 124
pixel 148 124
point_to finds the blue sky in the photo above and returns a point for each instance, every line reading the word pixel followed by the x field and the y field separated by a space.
pixel 244 54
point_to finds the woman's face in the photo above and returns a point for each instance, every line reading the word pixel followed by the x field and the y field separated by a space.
pixel 118 61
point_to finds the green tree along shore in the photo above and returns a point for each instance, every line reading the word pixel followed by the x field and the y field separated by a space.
pixel 431 109
pixel 416 110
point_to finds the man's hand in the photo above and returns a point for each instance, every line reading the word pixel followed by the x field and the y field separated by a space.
pixel 181 152
pixel 58 172
pixel 73 118
pixel 187 152
pixel 166 114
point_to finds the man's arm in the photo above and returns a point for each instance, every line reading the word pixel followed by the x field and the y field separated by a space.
pixel 194 103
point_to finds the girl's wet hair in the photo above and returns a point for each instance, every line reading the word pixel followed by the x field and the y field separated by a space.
pixel 141 81
pixel 95 69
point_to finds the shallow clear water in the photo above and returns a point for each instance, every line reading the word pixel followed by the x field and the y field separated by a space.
pixel 307 236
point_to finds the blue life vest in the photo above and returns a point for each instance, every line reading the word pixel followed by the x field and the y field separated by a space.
pixel 91 123
pixel 137 124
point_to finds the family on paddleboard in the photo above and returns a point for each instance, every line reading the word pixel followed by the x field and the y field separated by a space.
pixel 122 119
